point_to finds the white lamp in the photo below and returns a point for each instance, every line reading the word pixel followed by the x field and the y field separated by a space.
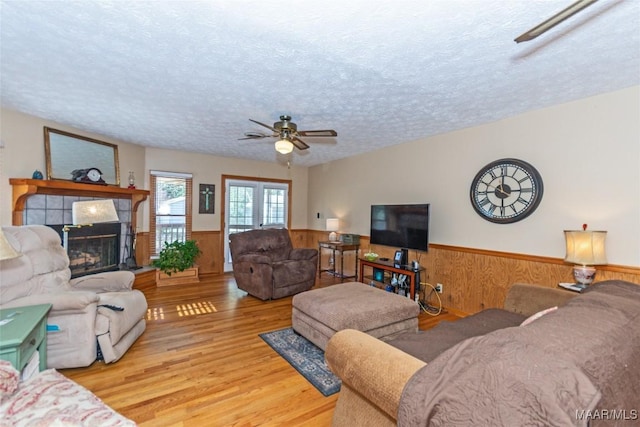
pixel 284 146
pixel 585 249
pixel 85 214
pixel 6 250
pixel 332 225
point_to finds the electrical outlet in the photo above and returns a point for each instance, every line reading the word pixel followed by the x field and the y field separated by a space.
pixel 439 288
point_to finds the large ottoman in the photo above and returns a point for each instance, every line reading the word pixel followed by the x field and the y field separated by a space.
pixel 320 313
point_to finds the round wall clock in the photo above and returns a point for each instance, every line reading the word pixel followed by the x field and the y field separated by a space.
pixel 506 191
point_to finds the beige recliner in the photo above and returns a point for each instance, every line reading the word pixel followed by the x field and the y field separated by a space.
pixel 95 312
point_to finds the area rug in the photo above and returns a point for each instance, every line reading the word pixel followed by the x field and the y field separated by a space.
pixel 305 357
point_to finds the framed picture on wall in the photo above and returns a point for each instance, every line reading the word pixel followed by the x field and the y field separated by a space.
pixel 206 197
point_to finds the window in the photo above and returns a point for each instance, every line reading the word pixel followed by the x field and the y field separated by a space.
pixel 241 213
pixel 274 201
pixel 256 205
pixel 170 209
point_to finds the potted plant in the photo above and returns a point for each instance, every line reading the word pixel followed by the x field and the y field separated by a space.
pixel 175 263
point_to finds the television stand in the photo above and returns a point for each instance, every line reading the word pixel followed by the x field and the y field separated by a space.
pixel 386 270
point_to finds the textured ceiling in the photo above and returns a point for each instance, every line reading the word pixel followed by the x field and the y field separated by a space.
pixel 188 75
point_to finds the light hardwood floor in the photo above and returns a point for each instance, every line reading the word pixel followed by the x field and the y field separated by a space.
pixel 200 362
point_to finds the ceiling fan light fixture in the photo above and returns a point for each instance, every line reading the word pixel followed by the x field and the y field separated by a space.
pixel 284 146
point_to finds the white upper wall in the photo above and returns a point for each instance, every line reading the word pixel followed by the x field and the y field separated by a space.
pixel 588 153
pixel 22 152
pixel 208 169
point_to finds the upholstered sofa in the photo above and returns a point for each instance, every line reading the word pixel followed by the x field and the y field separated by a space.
pixel 51 399
pixel 98 316
pixel 267 266
pixel 528 364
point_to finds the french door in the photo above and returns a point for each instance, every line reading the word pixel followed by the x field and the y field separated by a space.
pixel 253 204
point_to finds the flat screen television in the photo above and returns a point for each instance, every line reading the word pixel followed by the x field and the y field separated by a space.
pixel 401 226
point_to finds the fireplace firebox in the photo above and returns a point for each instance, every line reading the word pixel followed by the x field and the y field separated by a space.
pixel 92 249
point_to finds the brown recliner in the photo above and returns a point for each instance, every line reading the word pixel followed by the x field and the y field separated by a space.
pixel 267 266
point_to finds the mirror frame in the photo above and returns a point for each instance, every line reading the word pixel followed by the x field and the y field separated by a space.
pixel 50 149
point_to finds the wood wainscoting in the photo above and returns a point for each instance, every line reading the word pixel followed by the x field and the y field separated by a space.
pixel 473 279
pixel 211 260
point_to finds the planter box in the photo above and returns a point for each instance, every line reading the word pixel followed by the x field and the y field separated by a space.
pixel 185 277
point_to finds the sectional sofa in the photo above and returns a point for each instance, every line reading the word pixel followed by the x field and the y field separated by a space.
pixel 527 364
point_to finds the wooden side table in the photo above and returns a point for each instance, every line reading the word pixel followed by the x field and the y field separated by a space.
pixel 23 330
pixel 340 248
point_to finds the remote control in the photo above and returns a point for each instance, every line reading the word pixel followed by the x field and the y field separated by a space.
pixel 576 287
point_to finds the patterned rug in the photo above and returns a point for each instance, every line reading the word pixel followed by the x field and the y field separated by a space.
pixel 305 357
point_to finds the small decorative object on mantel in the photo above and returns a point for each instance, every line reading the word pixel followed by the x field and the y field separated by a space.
pixel 206 199
pixel 88 176
pixel 132 180
pixel 37 174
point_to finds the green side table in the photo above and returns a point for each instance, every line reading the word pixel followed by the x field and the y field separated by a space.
pixel 23 330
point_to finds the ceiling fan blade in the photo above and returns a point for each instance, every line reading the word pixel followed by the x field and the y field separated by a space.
pixel 300 144
pixel 255 135
pixel 326 132
pixel 554 20
pixel 262 124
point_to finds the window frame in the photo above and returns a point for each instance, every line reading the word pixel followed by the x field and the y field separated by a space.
pixel 188 201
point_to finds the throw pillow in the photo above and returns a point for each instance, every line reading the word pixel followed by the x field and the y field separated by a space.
pixel 538 315
pixel 9 379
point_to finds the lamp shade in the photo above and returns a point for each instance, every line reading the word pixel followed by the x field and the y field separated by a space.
pixel 333 224
pixel 6 250
pixel 93 212
pixel 284 146
pixel 585 247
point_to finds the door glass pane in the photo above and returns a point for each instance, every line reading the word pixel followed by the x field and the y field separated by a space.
pixel 241 204
pixel 274 207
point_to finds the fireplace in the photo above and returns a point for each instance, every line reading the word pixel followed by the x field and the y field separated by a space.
pixel 41 201
pixel 92 249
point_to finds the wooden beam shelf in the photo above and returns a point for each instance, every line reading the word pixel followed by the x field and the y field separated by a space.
pixel 24 187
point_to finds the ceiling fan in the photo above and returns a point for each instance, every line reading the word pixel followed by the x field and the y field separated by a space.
pixel 554 20
pixel 288 134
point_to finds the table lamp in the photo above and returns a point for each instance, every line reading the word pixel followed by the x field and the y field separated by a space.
pixel 85 214
pixel 332 225
pixel 585 249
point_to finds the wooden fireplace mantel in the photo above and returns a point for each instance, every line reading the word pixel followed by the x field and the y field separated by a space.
pixel 23 188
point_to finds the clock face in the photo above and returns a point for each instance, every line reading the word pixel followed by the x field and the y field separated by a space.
pixel 94 175
pixel 506 191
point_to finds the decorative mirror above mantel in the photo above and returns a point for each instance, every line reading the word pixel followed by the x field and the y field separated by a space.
pixel 66 152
